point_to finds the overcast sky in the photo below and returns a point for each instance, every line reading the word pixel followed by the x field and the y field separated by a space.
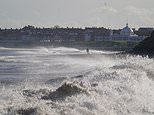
pixel 76 13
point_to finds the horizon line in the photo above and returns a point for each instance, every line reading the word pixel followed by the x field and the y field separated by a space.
pixel 57 26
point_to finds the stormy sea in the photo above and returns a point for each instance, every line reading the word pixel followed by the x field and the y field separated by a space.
pixel 68 81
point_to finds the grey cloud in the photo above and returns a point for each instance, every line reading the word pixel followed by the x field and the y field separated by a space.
pixel 111 13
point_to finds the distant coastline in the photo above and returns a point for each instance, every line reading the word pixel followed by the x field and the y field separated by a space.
pixel 95 38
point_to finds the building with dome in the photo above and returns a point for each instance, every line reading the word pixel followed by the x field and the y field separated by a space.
pixel 103 34
pixel 126 31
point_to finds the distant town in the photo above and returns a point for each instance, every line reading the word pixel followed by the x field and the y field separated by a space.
pixel 33 35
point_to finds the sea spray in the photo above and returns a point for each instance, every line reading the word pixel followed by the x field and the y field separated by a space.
pixel 92 84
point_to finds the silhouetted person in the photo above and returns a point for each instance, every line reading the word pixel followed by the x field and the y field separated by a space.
pixel 87 50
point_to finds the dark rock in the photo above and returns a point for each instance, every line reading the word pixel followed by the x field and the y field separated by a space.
pixel 94 84
pixel 29 111
pixel 145 47
pixel 78 76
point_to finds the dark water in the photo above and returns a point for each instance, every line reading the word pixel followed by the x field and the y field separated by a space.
pixel 59 81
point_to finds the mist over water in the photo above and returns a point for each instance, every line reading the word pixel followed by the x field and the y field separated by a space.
pixel 68 81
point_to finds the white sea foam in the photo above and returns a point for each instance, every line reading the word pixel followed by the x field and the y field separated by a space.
pixel 116 85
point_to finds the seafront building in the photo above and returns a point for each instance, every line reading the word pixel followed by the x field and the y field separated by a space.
pixel 57 34
pixel 127 34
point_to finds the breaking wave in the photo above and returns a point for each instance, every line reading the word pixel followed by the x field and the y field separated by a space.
pixel 107 85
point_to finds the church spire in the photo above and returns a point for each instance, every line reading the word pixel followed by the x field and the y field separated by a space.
pixel 127 24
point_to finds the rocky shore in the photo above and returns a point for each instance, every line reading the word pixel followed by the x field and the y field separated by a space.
pixel 145 47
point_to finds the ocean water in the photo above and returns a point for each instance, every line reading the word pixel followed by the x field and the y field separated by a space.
pixel 67 81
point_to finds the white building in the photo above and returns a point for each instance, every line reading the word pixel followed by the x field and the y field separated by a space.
pixel 127 31
pixel 127 34
pixel 99 34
